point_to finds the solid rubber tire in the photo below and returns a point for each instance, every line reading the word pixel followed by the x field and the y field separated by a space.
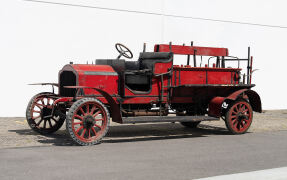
pixel 70 115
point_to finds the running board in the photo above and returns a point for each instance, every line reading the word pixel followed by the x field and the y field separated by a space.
pixel 151 119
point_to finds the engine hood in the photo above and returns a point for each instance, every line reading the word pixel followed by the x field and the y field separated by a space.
pixel 98 76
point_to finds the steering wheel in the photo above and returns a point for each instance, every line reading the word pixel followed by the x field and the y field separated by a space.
pixel 124 51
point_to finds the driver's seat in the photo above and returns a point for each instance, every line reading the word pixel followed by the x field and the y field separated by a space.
pixel 132 65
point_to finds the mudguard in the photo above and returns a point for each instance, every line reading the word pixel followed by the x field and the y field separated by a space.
pixel 215 105
pixel 115 109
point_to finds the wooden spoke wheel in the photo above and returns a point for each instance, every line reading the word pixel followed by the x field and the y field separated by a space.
pixel 239 116
pixel 87 121
pixel 39 114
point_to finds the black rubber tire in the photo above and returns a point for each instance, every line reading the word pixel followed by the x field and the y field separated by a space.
pixel 32 123
pixel 70 115
pixel 192 124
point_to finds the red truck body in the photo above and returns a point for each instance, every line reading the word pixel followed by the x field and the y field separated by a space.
pixel 147 90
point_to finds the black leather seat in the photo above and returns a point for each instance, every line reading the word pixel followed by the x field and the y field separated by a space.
pixel 132 65
pixel 148 59
pixel 138 74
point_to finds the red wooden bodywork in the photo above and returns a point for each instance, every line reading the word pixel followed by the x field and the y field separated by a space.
pixel 175 86
pixel 146 90
pixel 191 50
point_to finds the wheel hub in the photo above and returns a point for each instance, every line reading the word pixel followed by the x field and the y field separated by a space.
pixel 241 116
pixel 46 112
pixel 88 121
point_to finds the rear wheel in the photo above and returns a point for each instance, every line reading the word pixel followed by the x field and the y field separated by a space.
pixel 239 117
pixel 40 116
pixel 87 121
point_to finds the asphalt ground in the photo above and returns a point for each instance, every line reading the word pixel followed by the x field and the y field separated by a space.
pixel 153 151
pixel 15 132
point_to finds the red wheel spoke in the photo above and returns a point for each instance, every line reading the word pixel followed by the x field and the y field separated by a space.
pixel 244 111
pixel 93 109
pixel 43 102
pixel 79 129
pixel 89 132
pixel 235 123
pixel 241 107
pixel 39 105
pixel 94 131
pixel 36 117
pixel 99 119
pixel 234 120
pixel 78 117
pixel 97 113
pixel 36 111
pixel 76 123
pixel 88 108
pixel 98 126
pixel 83 133
pixel 82 111
pixel 236 108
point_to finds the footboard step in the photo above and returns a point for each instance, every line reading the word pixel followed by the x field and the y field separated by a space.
pixel 151 119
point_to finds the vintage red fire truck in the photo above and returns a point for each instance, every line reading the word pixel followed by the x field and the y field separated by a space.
pixel 151 89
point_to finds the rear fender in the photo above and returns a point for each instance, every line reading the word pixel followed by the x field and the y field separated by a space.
pixel 215 105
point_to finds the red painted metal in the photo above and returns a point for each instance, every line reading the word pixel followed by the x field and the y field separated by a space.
pixel 214 107
pixel 191 50
pixel 216 103
pixel 64 99
pixel 193 91
pixel 205 75
pixel 82 68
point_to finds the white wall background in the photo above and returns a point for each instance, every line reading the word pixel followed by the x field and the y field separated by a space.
pixel 37 39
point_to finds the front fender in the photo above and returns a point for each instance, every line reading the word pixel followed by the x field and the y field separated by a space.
pixel 215 105
pixel 115 109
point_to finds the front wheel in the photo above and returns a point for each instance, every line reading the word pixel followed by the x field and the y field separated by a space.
pixel 239 117
pixel 40 115
pixel 87 121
